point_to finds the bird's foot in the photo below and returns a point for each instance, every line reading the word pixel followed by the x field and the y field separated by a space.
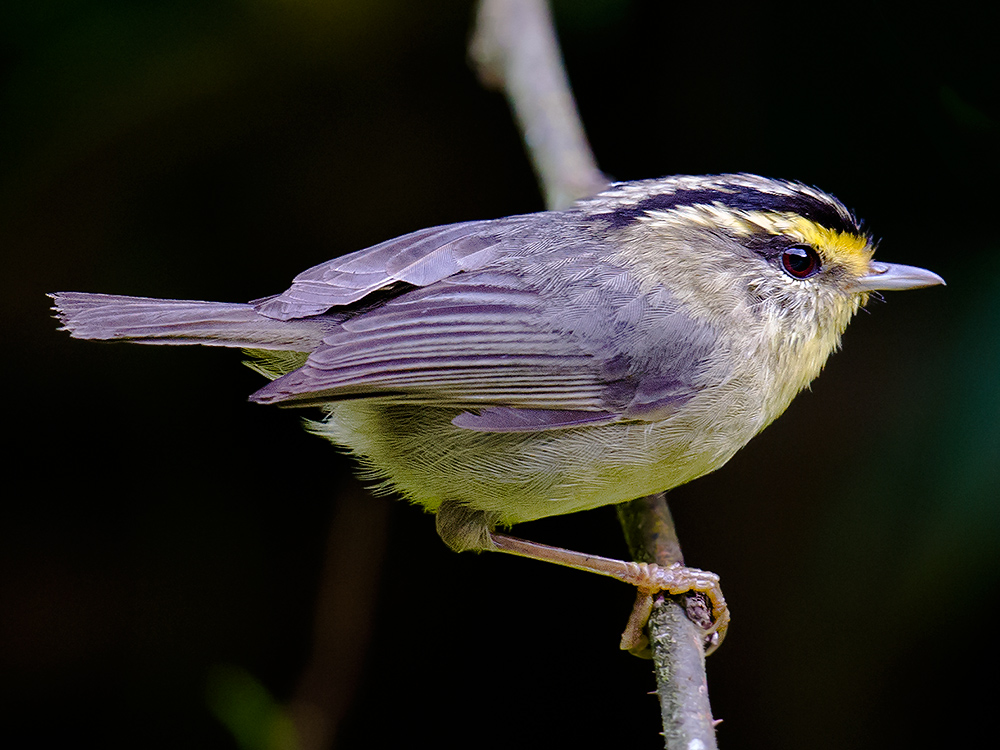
pixel 648 579
pixel 708 609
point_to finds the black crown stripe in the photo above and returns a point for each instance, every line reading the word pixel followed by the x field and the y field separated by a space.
pixel 822 212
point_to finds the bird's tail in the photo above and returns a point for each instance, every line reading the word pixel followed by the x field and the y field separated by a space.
pixel 146 320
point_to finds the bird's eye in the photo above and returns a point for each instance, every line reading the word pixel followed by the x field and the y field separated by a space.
pixel 800 262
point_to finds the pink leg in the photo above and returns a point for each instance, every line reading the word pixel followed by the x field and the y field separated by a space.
pixel 648 579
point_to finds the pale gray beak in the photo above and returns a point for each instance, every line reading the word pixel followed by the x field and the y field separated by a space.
pixel 892 276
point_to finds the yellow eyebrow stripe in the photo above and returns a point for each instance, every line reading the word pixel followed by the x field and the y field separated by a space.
pixel 853 251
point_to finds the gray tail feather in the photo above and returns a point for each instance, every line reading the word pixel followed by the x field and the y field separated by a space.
pixel 146 320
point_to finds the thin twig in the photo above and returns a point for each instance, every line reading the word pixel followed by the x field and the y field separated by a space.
pixel 675 629
pixel 514 48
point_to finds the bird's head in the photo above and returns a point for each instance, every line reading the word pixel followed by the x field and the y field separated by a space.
pixel 776 265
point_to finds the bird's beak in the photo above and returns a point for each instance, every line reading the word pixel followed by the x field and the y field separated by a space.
pixel 892 276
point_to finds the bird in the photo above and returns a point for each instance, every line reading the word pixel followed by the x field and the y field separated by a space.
pixel 499 371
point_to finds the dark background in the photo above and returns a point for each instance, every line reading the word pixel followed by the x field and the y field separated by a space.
pixel 163 542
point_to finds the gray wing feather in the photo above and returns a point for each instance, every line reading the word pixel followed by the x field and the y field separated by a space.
pixel 548 325
pixel 419 258
pixel 506 419
pixel 479 344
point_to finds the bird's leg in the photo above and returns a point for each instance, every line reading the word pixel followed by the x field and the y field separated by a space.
pixel 647 578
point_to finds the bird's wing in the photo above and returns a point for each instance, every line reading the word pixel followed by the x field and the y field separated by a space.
pixel 553 336
pixel 418 259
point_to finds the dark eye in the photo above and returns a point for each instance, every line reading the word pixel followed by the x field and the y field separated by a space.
pixel 800 262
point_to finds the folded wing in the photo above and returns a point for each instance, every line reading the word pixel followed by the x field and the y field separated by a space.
pixel 517 326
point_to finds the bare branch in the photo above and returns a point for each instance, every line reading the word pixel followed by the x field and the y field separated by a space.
pixel 675 630
pixel 514 48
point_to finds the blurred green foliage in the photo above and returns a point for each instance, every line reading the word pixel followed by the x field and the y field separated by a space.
pixel 256 720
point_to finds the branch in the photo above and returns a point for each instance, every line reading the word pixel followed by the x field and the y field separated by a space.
pixel 676 629
pixel 514 48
